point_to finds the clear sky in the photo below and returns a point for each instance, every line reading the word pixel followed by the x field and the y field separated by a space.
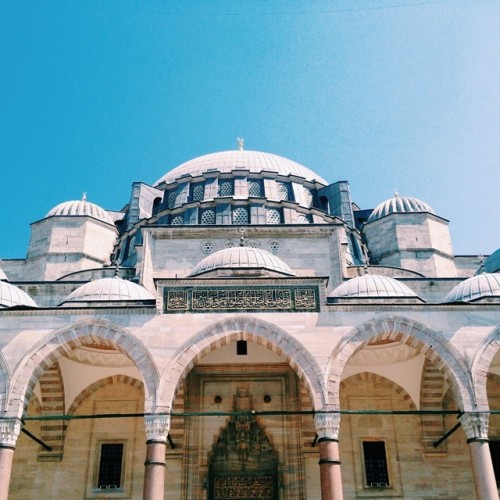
pixel 387 94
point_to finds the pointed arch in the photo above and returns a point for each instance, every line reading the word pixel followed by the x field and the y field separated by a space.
pixel 243 328
pixel 481 366
pixel 54 345
pixel 415 334
pixel 99 384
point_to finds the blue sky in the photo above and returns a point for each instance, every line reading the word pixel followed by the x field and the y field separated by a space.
pixel 386 94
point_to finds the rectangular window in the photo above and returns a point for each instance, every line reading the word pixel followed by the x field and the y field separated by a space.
pixel 241 348
pixel 375 464
pixel 110 466
pixel 495 458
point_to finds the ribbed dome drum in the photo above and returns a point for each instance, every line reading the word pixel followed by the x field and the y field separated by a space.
pixel 399 204
pixel 79 208
pixel 11 295
pixel 109 289
pixel 477 287
pixel 228 161
pixel 242 258
pixel 371 285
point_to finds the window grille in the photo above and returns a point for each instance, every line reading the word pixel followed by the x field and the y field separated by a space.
pixel 226 188
pixel 303 219
pixel 177 220
pixel 172 198
pixel 283 191
pixel 273 216
pixel 110 466
pixel 240 216
pixel 308 197
pixel 208 217
pixel 254 188
pixel 375 464
pixel 207 247
pixel 198 192
pixel 274 246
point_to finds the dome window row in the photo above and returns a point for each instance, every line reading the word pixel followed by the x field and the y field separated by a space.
pixel 240 187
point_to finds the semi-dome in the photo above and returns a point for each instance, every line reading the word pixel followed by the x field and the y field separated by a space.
pixel 11 296
pixel 477 287
pixel 80 207
pixel 399 204
pixel 242 261
pixel 372 286
pixel 109 289
pixel 228 161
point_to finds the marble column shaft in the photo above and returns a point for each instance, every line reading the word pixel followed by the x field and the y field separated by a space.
pixel 9 432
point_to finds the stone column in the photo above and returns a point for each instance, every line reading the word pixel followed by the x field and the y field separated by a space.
pixel 157 427
pixel 475 426
pixel 9 432
pixel 327 428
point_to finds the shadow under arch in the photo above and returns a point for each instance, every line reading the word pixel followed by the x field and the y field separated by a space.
pixel 54 345
pixel 387 383
pixel 243 328
pixel 414 334
pixel 101 383
pixel 481 365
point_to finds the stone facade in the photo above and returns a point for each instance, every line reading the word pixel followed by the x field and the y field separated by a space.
pixel 243 380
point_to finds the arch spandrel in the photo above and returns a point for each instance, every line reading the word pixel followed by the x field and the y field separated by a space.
pixel 417 335
pixel 54 345
pixel 481 365
pixel 243 328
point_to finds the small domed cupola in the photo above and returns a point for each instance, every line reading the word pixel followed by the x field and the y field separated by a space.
pixel 109 291
pixel 371 286
pixel 476 288
pixel 80 208
pixel 242 261
pixel 399 204
pixel 12 296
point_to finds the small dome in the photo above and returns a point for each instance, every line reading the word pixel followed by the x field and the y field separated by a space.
pixel 477 287
pixel 227 161
pixel 372 286
pixel 234 260
pixel 11 296
pixel 399 204
pixel 81 207
pixel 109 289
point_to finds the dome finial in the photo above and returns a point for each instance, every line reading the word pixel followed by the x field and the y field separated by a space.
pixel 242 236
pixel 396 194
pixel 84 197
pixel 241 143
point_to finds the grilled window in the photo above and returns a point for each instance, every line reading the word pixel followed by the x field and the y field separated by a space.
pixel 110 466
pixel 375 464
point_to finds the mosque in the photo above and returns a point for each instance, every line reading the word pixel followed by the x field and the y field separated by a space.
pixel 243 330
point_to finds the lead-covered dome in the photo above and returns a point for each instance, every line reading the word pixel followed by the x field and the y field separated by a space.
pixel 79 208
pixel 11 296
pixel 399 204
pixel 477 287
pixel 372 286
pixel 242 261
pixel 109 289
pixel 229 161
pixel 491 264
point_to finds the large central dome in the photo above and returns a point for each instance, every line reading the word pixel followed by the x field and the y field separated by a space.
pixel 228 161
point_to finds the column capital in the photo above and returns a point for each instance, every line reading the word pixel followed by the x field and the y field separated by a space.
pixel 157 427
pixel 475 426
pixel 327 424
pixel 10 429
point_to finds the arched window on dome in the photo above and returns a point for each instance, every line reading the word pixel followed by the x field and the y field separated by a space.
pixel 240 216
pixel 198 191
pixel 207 217
pixel 156 206
pixel 226 187
pixel 255 188
pixel 273 216
pixel 178 220
pixel 284 190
